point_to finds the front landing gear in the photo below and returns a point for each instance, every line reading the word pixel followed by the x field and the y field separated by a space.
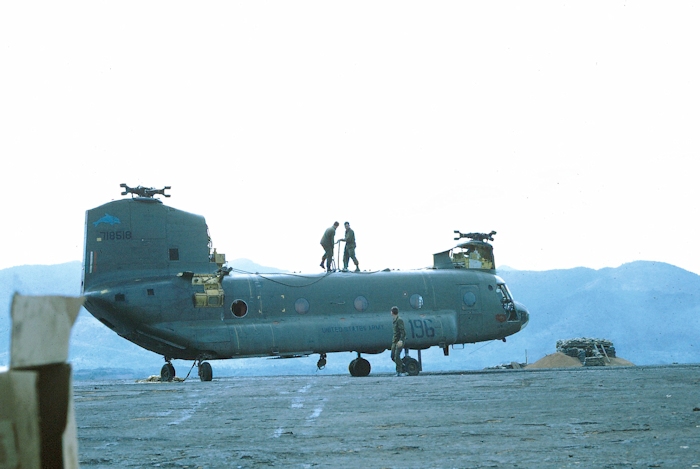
pixel 167 373
pixel 359 367
pixel 410 366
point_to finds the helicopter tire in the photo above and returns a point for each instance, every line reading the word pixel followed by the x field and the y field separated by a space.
pixel 360 367
pixel 205 371
pixel 411 366
pixel 167 372
pixel 351 367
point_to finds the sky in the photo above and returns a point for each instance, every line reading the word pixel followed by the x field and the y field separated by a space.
pixel 570 128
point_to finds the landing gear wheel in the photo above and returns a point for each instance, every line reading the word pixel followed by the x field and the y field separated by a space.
pixel 204 370
pixel 167 373
pixel 351 367
pixel 411 366
pixel 359 367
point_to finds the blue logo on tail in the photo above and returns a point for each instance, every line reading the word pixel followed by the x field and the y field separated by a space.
pixel 108 219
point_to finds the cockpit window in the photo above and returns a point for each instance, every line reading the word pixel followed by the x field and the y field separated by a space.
pixel 504 293
pixel 507 301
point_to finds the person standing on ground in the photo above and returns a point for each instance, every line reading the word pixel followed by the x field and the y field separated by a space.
pixel 397 342
pixel 349 252
pixel 327 242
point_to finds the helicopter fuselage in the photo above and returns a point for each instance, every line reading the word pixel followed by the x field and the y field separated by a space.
pixel 150 275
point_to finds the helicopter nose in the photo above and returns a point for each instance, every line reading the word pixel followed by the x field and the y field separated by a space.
pixel 523 313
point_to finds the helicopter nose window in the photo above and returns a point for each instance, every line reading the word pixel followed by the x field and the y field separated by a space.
pixel 507 301
pixel 503 293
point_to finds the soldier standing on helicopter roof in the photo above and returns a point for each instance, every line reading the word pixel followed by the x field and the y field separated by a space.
pixel 327 242
pixel 349 252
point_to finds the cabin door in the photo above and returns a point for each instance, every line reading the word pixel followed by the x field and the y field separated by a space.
pixel 470 314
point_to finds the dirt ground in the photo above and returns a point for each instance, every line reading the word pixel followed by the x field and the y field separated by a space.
pixel 603 417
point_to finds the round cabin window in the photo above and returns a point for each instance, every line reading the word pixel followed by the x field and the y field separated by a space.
pixel 239 308
pixel 416 301
pixel 361 304
pixel 469 299
pixel 301 306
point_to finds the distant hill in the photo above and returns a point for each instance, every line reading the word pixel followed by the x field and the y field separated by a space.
pixel 649 310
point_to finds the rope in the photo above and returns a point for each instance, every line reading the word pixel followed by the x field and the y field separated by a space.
pixel 188 373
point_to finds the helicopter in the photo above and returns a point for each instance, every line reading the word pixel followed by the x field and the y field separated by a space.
pixel 151 274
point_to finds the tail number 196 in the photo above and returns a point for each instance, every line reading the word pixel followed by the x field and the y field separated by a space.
pixel 421 328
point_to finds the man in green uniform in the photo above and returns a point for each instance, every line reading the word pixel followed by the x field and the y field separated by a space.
pixel 398 340
pixel 349 252
pixel 327 242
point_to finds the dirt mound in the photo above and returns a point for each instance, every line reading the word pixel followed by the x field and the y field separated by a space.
pixel 556 360
pixel 561 360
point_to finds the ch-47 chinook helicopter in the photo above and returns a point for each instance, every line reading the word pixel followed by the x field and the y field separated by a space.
pixel 151 275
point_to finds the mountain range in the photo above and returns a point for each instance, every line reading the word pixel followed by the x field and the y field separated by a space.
pixel 649 310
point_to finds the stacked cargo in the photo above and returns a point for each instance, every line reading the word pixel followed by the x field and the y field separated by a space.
pixel 590 352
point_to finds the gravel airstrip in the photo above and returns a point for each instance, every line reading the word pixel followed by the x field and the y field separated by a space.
pixel 602 417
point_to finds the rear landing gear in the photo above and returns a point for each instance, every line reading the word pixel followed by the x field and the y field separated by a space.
pixel 167 373
pixel 205 372
pixel 359 367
